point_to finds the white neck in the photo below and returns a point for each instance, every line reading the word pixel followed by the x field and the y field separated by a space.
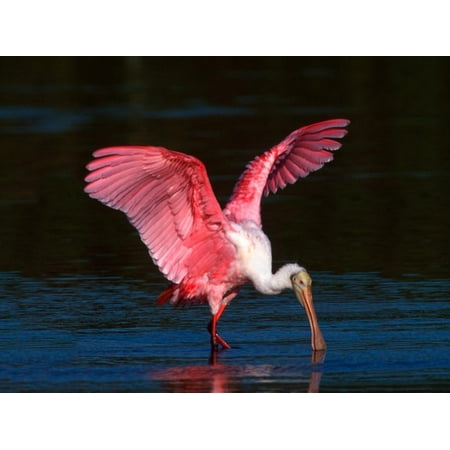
pixel 280 280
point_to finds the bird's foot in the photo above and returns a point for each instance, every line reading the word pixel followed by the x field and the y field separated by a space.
pixel 217 340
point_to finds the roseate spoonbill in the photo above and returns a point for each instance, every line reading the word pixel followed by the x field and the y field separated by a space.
pixel 208 253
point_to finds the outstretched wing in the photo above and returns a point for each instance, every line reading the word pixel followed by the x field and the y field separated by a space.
pixel 302 152
pixel 167 196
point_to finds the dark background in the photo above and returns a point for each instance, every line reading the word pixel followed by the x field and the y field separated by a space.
pixel 380 206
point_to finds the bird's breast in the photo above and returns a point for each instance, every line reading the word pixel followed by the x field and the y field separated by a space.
pixel 253 249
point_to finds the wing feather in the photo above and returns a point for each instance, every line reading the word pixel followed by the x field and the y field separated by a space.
pixel 302 152
pixel 167 196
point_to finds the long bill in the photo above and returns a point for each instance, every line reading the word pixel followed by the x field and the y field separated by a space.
pixel 304 295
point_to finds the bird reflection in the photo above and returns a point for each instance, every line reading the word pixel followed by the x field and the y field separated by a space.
pixel 220 377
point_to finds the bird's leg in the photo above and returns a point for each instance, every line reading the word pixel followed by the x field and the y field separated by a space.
pixel 212 328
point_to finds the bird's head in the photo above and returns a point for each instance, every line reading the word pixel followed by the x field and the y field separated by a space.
pixel 302 285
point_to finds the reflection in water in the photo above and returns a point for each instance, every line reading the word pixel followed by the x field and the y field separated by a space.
pixel 317 360
pixel 100 334
pixel 219 377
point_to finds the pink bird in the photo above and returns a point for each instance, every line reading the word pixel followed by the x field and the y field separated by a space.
pixel 208 253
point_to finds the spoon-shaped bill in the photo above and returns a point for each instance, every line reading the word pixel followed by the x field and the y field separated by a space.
pixel 301 283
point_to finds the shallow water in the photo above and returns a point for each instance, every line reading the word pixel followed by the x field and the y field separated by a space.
pixel 77 287
pixel 96 334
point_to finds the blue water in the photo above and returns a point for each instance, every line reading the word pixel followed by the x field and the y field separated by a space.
pixel 95 334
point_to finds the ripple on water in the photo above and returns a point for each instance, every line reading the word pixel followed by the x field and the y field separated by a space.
pixel 74 333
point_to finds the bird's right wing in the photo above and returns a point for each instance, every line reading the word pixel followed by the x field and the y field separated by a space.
pixel 167 196
pixel 302 152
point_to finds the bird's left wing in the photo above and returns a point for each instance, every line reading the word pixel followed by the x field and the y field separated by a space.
pixel 167 196
pixel 302 152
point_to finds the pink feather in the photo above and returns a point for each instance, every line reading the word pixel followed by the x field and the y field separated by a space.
pixel 167 196
pixel 302 152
